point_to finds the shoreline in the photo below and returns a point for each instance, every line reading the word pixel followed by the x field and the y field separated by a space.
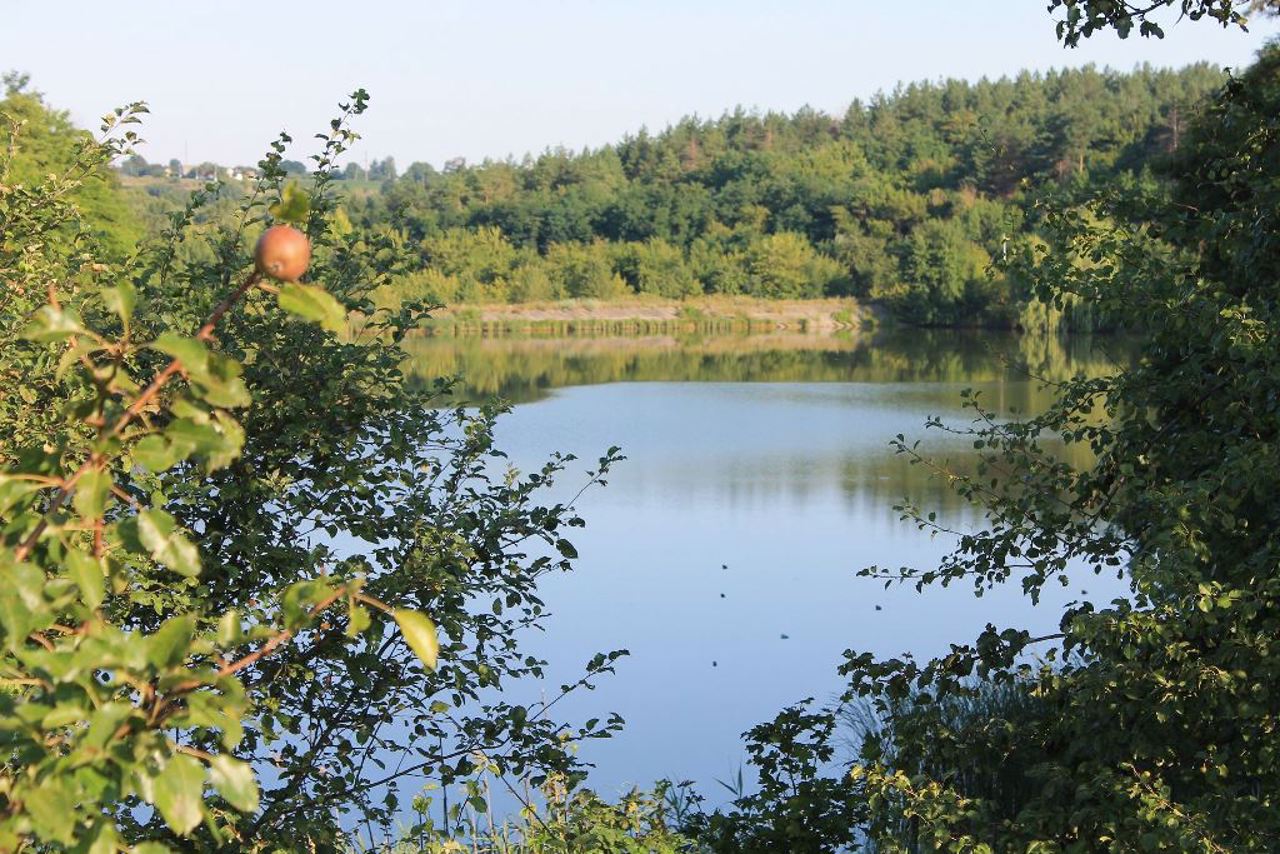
pixel 652 315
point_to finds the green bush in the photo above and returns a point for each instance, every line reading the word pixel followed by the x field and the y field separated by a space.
pixel 563 820
pixel 223 520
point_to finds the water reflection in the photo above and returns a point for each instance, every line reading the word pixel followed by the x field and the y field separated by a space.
pixel 526 369
pixel 759 479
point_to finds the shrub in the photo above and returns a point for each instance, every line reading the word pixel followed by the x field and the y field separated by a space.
pixel 222 529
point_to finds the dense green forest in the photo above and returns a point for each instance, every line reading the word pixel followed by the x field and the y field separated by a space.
pixel 906 200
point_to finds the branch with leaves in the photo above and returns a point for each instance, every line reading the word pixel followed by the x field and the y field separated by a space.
pixel 102 714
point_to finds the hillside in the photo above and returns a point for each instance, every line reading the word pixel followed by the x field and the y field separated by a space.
pixel 908 201
pixel 905 200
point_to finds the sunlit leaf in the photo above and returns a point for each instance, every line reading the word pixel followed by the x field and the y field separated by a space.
pixel 51 807
pixel 105 840
pixel 169 644
pixel 160 535
pixel 420 633
pixel 314 303
pixel 191 352
pixel 179 790
pixel 229 631
pixel 92 491
pixel 155 453
pixel 294 205
pixel 235 781
pixel 121 299
pixel 87 573
pixel 50 324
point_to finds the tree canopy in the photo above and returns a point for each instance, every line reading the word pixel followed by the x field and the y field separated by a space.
pixel 1147 723
pixel 41 140
pixel 905 199
pixel 246 560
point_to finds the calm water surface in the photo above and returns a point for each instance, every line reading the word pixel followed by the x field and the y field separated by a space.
pixel 724 552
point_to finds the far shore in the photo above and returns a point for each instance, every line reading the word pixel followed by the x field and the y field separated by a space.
pixel 652 315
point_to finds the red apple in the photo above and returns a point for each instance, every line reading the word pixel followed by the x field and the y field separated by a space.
pixel 282 253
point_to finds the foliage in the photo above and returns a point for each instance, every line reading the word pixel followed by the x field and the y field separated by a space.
pixel 37 140
pixel 900 199
pixel 569 820
pixel 1147 723
pixel 800 803
pixel 950 274
pixel 220 545
pixel 1083 18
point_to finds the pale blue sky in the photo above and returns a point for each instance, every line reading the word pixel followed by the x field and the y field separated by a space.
pixel 498 77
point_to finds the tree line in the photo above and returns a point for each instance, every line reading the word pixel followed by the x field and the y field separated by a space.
pixel 917 200
pixel 906 199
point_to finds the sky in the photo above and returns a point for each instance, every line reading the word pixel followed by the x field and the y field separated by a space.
pixel 492 78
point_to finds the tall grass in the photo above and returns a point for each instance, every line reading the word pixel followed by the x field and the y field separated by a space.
pixel 555 819
pixel 963 740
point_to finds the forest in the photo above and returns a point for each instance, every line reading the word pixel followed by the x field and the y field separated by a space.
pixel 904 201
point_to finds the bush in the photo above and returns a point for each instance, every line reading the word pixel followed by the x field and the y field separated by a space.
pixel 785 265
pixel 568 820
pixel 586 270
pixel 223 527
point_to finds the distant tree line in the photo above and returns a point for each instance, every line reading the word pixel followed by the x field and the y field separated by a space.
pixel 919 200
pixel 906 199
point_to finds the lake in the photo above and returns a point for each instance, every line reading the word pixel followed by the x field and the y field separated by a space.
pixel 759 479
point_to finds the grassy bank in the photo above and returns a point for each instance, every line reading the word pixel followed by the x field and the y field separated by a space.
pixel 645 315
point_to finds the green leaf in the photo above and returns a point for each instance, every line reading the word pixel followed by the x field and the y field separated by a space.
pixel 215 711
pixel 64 714
pixel 50 324
pixel 23 608
pixel 298 600
pixel 420 633
pixel 105 841
pixel 52 809
pixel 231 436
pixel 191 352
pixel 121 299
pixel 294 205
pixel 179 794
pixel 155 453
pixel 229 630
pixel 358 620
pixel 314 303
pixel 159 534
pixel 171 642
pixel 234 780
pixel 92 491
pixel 104 723
pixel 87 573
pixel 13 490
pixel 217 437
pixel 188 436
pixel 221 384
